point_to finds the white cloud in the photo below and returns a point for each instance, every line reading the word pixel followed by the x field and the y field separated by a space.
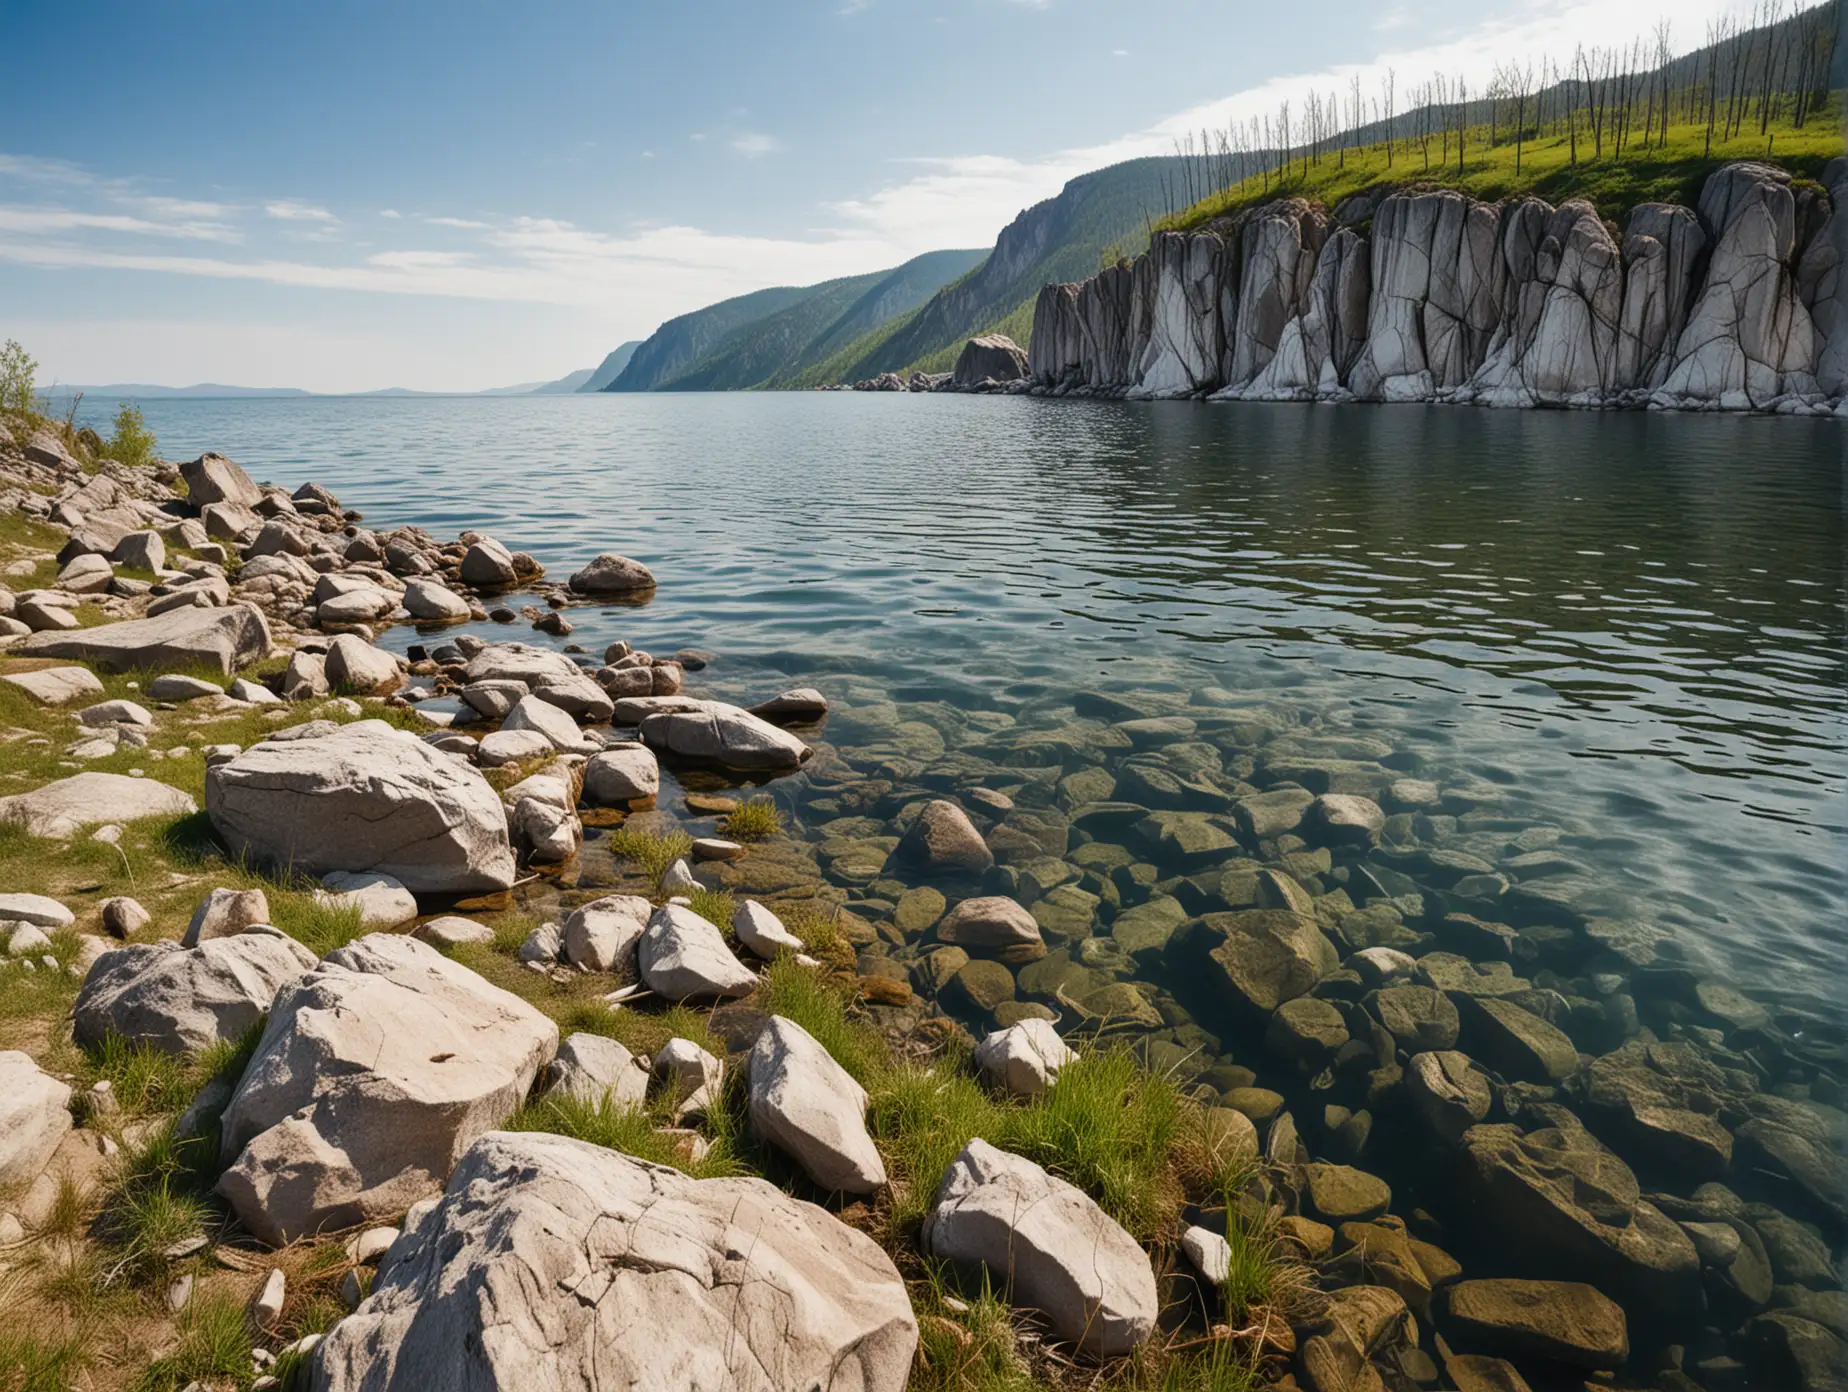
pixel 390 213
pixel 39 220
pixel 753 144
pixel 1119 53
pixel 466 224
pixel 290 210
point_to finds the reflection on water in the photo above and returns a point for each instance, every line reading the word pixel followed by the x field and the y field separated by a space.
pixel 1631 624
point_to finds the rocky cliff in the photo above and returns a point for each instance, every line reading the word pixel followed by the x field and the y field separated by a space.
pixel 1429 295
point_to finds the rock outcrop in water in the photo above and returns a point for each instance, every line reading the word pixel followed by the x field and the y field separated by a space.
pixel 1430 295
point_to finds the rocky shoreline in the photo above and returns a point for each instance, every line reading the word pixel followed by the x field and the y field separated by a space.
pixel 1496 1126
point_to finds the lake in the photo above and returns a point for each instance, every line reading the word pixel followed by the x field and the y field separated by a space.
pixel 1629 625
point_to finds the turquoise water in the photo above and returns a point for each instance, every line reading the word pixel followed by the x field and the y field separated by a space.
pixel 1631 625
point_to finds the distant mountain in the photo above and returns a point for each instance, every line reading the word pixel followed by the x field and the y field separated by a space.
pixel 1067 237
pixel 148 392
pixel 611 367
pixel 770 337
pixel 570 382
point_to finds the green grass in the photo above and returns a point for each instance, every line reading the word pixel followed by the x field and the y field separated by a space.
pixel 155 1199
pixel 633 1131
pixel 28 990
pixel 754 820
pixel 820 1005
pixel 1669 173
pixel 715 906
pixel 643 1031
pixel 31 1362
pixel 648 853
pixel 142 1078
pixel 215 1344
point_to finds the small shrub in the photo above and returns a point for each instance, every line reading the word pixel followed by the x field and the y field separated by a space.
pixel 18 379
pixel 132 443
pixel 650 854
pixel 754 820
pixel 152 1203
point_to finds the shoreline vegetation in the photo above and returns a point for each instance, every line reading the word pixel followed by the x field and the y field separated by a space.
pixel 122 1262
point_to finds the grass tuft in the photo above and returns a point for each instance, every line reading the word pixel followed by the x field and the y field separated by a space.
pixel 821 1006
pixel 214 1345
pixel 30 1362
pixel 648 853
pixel 754 820
pixel 630 1130
pixel 715 906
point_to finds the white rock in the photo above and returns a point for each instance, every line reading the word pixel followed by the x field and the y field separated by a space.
pixel 722 734
pixel 36 909
pixel 761 931
pixel 374 1074
pixel 433 603
pixel 693 1077
pixel 551 834
pixel 226 638
pixel 26 940
pixel 678 878
pixel 1025 1058
pixel 684 957
pixel 451 931
pixel 62 808
pixel 382 901
pixel 56 686
pixel 34 1119
pixel 355 665
pixel 1209 1251
pixel 806 1104
pixel 1048 1244
pixel 594 1069
pixel 541 716
pixel 617 777
pixel 266 1307
pixel 370 1247
pixel 542 946
pixel 253 693
pixel 174 686
pixel 365 797
pixel 602 935
pixel 224 913
pixel 116 713
pixel 505 747
pixel 558 1264
pixel 179 1000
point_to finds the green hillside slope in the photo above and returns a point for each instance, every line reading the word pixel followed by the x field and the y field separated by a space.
pixel 1062 238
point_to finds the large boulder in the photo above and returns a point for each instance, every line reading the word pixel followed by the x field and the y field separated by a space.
pixel 1048 1244
pixel 611 575
pixel 488 565
pixel 1261 957
pixel 364 797
pixel 807 1105
pixel 223 638
pixel 1561 1321
pixel 428 601
pixel 617 777
pixel 60 809
pixel 211 478
pixel 34 1119
pixel 716 733
pixel 1559 1205
pixel 684 957
pixel 558 1264
pixel 375 1072
pixel 989 358
pixel 179 1000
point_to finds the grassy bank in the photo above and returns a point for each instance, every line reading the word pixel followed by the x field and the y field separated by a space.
pixel 1551 168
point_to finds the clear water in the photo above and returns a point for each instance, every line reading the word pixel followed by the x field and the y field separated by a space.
pixel 1632 624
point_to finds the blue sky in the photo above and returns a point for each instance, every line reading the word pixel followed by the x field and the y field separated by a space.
pixel 452 196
